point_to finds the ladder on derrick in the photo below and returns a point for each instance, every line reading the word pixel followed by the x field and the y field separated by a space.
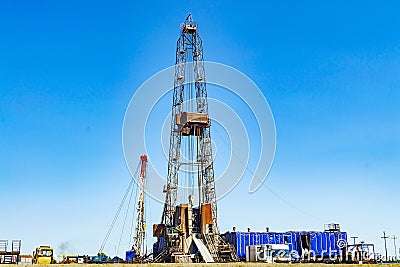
pixel 209 239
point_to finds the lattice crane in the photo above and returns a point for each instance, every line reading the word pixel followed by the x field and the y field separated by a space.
pixel 140 230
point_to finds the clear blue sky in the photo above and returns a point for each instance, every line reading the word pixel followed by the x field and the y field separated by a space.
pixel 330 71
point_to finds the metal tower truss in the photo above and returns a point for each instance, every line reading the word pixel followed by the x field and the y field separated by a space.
pixel 189 229
pixel 140 230
pixel 189 120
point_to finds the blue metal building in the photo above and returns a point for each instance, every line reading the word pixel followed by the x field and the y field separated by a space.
pixel 305 245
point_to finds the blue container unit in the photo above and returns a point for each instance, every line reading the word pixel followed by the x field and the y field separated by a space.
pixel 319 244
pixel 240 240
pixel 129 255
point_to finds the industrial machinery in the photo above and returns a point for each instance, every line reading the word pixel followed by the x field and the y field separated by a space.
pixel 327 246
pixel 361 253
pixel 43 255
pixel 99 258
pixel 189 232
pixel 138 252
pixel 71 259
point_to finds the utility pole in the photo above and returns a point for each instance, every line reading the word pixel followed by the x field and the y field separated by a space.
pixel 395 249
pixel 384 238
pixel 354 239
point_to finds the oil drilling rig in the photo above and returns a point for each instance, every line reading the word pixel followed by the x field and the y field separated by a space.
pixel 138 252
pixel 189 232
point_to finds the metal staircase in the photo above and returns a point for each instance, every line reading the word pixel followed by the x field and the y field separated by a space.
pixel 226 250
pixel 160 257
pixel 208 238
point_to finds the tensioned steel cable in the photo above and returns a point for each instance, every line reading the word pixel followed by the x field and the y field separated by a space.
pixel 268 188
pixel 126 215
pixel 118 211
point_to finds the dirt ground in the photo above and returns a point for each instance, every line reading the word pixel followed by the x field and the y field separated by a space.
pixel 236 264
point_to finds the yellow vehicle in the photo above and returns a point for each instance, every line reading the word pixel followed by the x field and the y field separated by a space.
pixel 43 255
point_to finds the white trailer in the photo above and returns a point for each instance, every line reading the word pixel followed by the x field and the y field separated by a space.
pixel 268 253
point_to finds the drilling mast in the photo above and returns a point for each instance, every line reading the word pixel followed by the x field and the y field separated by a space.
pixel 189 119
pixel 140 230
pixel 189 228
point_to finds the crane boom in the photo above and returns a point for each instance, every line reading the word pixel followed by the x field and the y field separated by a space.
pixel 139 238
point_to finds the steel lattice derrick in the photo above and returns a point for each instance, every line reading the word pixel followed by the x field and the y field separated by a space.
pixel 175 138
pixel 189 57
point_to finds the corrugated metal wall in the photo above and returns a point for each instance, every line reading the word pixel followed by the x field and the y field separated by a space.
pixel 323 244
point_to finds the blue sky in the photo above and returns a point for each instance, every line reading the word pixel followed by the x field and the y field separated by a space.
pixel 329 70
